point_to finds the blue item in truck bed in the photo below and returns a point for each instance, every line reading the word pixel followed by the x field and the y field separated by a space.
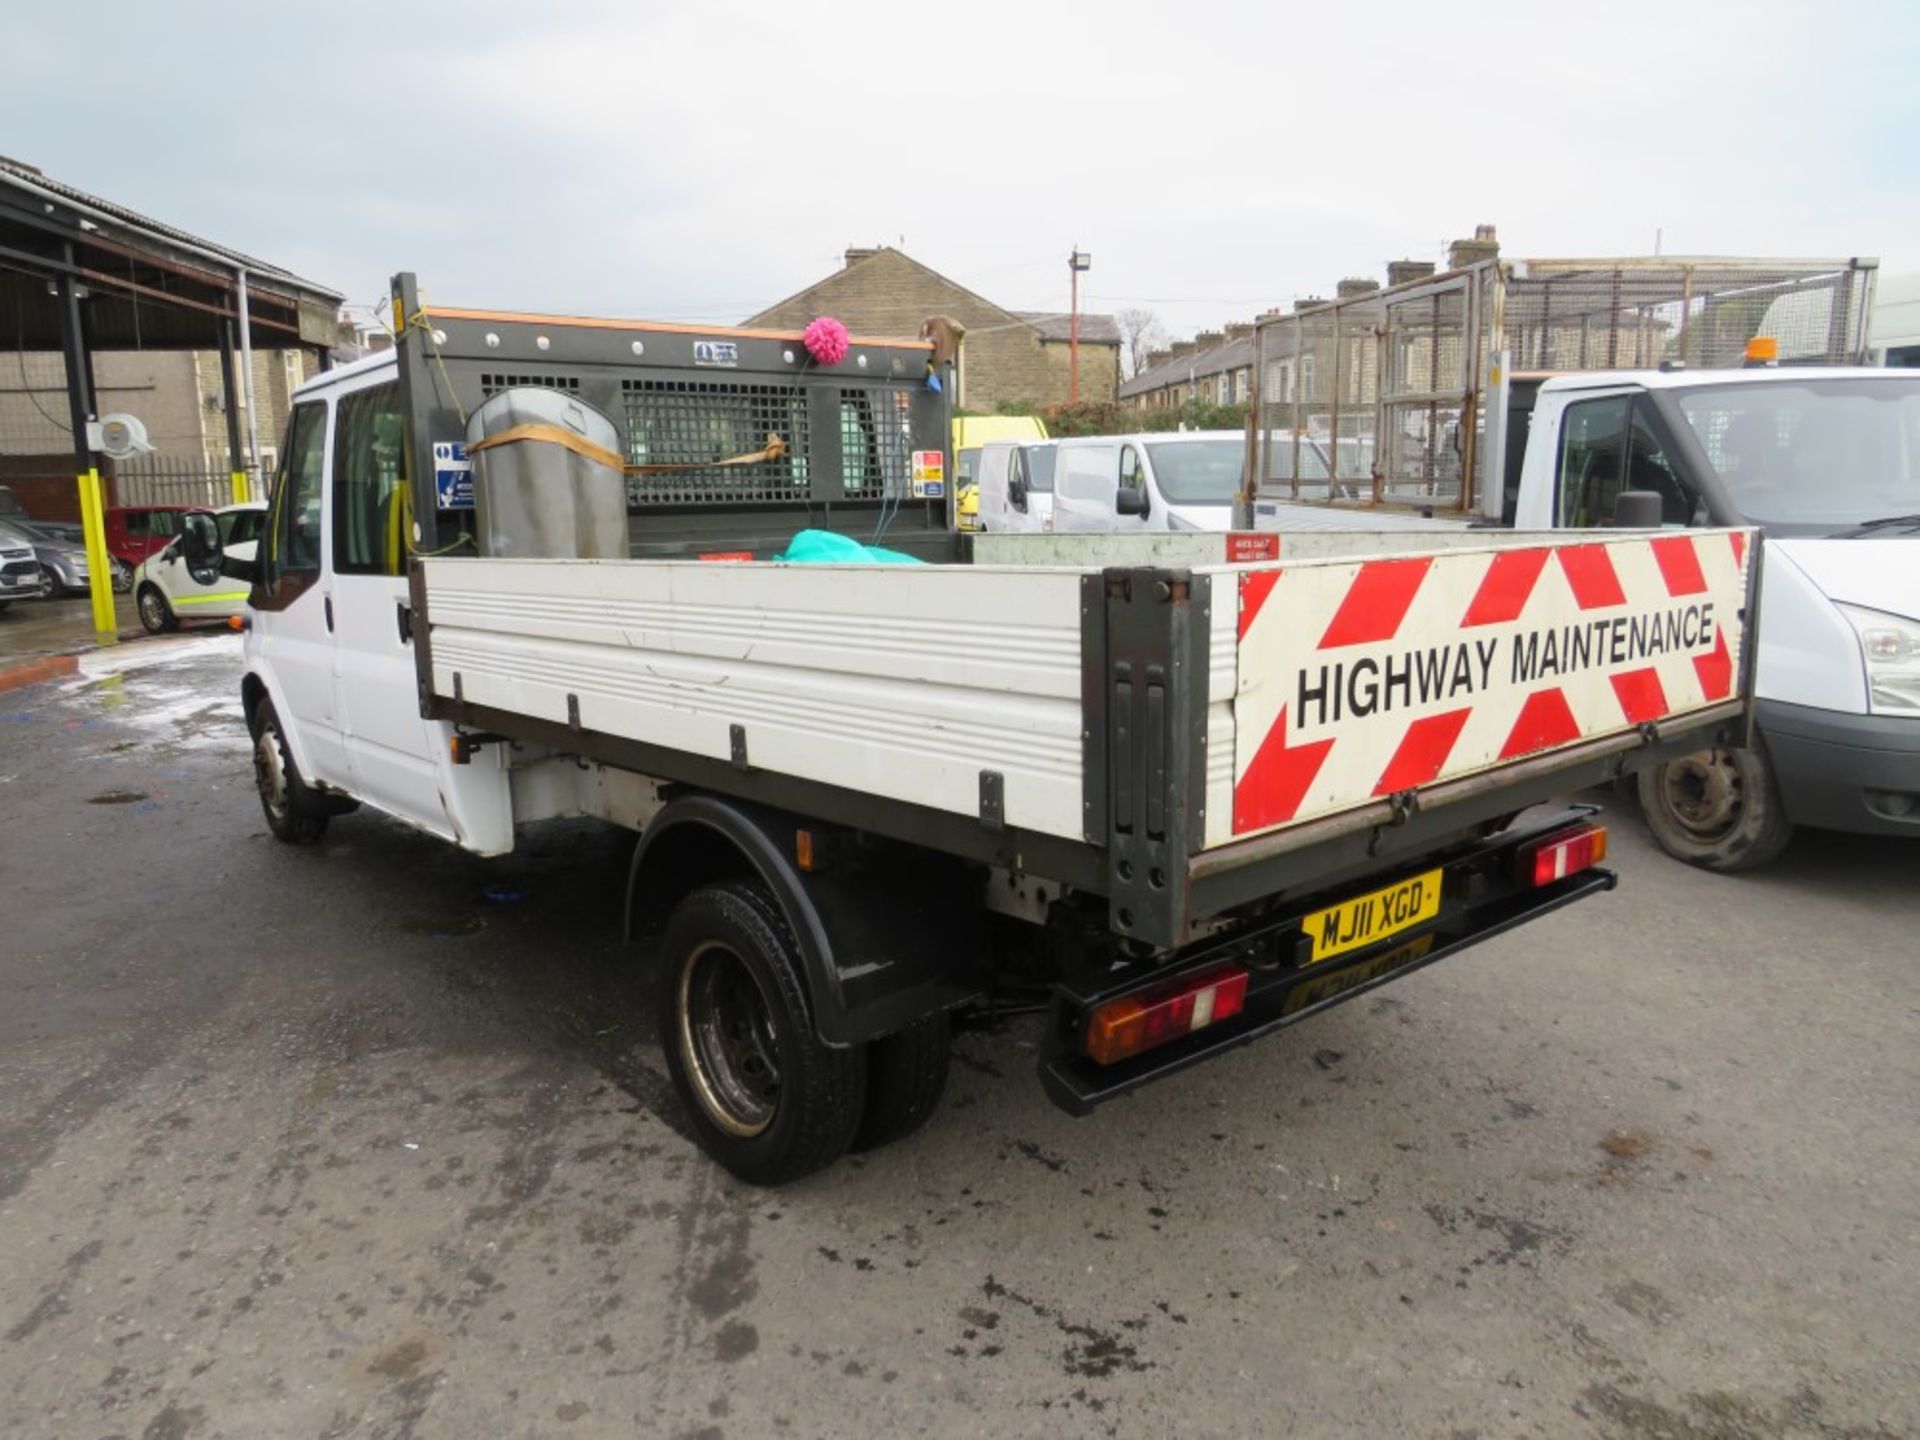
pixel 825 547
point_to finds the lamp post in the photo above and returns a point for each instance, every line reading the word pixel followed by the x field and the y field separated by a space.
pixel 1077 261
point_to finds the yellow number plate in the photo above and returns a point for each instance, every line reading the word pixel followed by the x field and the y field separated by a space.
pixel 1359 922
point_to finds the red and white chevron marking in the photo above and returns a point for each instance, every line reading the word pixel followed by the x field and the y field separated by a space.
pixel 1362 679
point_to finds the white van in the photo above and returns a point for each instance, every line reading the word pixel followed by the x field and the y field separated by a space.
pixel 1143 483
pixel 1016 486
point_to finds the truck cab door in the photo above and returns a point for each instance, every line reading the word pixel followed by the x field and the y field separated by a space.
pixel 396 756
pixel 293 610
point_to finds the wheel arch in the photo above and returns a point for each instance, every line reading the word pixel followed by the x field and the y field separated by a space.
pixel 256 688
pixel 873 965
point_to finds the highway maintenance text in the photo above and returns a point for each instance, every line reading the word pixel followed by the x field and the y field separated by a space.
pixel 1369 685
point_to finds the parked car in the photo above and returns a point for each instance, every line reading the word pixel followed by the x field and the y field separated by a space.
pixel 19 571
pixel 63 563
pixel 1016 486
pixel 136 531
pixel 165 590
pixel 1131 484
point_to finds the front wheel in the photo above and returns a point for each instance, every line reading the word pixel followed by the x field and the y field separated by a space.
pixel 294 813
pixel 155 613
pixel 121 575
pixel 1718 809
pixel 768 1100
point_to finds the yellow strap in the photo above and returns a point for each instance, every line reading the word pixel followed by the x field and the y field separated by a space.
pixel 774 449
pixel 553 435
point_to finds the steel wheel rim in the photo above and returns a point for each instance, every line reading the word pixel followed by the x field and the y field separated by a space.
pixel 270 773
pixel 1703 794
pixel 727 1042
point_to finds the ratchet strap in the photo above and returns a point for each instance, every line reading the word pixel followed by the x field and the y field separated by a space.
pixel 774 449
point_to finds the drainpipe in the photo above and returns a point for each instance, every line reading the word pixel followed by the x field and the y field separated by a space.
pixel 246 367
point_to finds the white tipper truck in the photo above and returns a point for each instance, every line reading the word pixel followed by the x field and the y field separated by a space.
pixel 526 566
pixel 1824 459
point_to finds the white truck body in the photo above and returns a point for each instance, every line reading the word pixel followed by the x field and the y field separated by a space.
pixel 1250 787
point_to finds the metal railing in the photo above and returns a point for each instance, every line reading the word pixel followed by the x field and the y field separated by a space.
pixel 160 480
pixel 1397 396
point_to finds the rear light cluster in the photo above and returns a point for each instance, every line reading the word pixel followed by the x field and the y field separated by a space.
pixel 1565 853
pixel 1123 1028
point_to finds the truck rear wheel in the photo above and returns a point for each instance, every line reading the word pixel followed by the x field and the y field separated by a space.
pixel 768 1100
pixel 906 1076
pixel 1718 809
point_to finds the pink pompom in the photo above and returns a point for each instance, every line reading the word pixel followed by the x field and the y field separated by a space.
pixel 826 340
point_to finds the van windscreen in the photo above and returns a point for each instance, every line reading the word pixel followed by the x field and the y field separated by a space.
pixel 1040 469
pixel 1198 472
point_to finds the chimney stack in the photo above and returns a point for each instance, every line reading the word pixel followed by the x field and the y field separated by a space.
pixel 1349 288
pixel 1484 245
pixel 1399 272
pixel 857 253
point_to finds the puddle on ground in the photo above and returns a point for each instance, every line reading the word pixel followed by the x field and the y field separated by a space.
pixel 442 928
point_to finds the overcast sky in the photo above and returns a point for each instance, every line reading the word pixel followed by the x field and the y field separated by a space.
pixel 700 161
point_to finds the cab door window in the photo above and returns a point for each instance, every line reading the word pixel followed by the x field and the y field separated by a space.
pixel 1593 438
pixel 1610 445
pixel 368 495
pixel 294 539
pixel 1649 467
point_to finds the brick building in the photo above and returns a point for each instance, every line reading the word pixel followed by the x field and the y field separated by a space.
pixel 1215 368
pixel 1009 356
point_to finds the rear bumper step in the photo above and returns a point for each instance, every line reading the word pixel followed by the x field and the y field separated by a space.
pixel 1281 990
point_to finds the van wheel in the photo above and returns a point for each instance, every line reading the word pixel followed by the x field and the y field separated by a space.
pixel 294 813
pixel 768 1100
pixel 155 613
pixel 906 1075
pixel 1718 809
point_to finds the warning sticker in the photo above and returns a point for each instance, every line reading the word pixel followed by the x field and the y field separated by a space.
pixel 929 474
pixel 452 476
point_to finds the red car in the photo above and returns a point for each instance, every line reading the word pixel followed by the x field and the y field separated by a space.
pixel 136 531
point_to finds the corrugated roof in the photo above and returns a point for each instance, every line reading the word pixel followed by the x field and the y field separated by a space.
pixel 147 226
pixel 1233 355
pixel 1094 329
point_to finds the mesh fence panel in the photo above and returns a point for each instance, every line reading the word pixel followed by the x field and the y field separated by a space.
pixel 1383 396
pixel 692 424
pixel 876 441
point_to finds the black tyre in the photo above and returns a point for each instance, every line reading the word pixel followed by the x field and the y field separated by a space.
pixel 906 1076
pixel 767 1099
pixel 155 613
pixel 121 575
pixel 294 813
pixel 1718 809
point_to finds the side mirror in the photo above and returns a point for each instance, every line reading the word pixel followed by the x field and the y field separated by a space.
pixel 1130 500
pixel 1016 492
pixel 1637 510
pixel 200 546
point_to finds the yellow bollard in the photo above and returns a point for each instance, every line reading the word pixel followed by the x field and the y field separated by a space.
pixel 241 494
pixel 93 522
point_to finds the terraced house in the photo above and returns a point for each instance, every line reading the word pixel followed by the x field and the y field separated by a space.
pixel 1007 356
